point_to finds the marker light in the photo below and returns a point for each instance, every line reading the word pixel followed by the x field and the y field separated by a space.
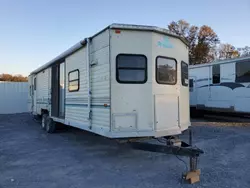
pixel 117 31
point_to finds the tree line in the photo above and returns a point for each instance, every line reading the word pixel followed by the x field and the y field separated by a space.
pixel 204 43
pixel 13 78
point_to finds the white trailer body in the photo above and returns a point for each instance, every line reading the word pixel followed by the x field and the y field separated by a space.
pixel 222 86
pixel 125 81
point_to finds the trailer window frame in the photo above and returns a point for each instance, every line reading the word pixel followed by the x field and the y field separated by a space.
pixel 35 84
pixel 145 68
pixel 191 84
pixel 30 90
pixel 74 80
pixel 216 76
pixel 184 75
pixel 242 76
pixel 157 74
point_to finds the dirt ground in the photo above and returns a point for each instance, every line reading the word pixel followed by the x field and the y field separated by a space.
pixel 71 158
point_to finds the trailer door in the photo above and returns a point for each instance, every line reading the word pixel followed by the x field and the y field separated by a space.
pixel 166 94
pixel 58 90
pixel 193 91
pixel 34 95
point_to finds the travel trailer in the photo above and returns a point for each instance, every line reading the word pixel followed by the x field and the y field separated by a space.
pixel 222 86
pixel 125 81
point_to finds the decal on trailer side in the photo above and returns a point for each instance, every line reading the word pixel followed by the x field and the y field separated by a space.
pixel 165 43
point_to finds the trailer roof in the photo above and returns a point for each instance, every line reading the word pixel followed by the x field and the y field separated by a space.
pixel 220 62
pixel 147 28
pixel 83 42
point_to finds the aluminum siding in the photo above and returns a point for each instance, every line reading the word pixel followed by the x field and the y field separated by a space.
pixel 42 91
pixel 76 102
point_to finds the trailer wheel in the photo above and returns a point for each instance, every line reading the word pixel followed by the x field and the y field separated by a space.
pixel 50 125
pixel 192 112
pixel 195 113
pixel 200 113
pixel 44 121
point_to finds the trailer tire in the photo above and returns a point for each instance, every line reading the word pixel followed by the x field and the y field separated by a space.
pixel 50 125
pixel 195 113
pixel 200 113
pixel 192 112
pixel 44 121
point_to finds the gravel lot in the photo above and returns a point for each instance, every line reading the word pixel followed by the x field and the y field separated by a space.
pixel 73 158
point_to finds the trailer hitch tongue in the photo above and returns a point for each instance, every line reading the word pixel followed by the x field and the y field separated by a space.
pixel 184 149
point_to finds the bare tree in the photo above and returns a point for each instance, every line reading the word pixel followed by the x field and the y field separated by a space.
pixel 201 40
pixel 244 51
pixel 227 51
pixel 180 27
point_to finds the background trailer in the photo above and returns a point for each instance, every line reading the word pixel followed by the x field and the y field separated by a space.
pixel 222 86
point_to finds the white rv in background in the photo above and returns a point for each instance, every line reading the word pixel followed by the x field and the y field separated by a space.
pixel 222 86
pixel 125 81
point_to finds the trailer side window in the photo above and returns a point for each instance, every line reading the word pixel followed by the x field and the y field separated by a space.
pixel 184 73
pixel 191 85
pixel 166 70
pixel 30 90
pixel 216 74
pixel 34 84
pixel 242 71
pixel 131 68
pixel 73 79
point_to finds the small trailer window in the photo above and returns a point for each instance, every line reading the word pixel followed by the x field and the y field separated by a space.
pixel 216 74
pixel 34 84
pixel 166 70
pixel 131 68
pixel 184 73
pixel 191 83
pixel 73 80
pixel 242 71
pixel 30 90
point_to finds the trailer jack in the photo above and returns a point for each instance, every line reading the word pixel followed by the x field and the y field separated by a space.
pixel 176 147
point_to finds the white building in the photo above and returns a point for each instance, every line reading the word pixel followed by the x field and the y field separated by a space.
pixel 13 97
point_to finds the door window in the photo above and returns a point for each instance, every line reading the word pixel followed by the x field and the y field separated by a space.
pixel 184 73
pixel 191 84
pixel 216 74
pixel 166 70
pixel 34 84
